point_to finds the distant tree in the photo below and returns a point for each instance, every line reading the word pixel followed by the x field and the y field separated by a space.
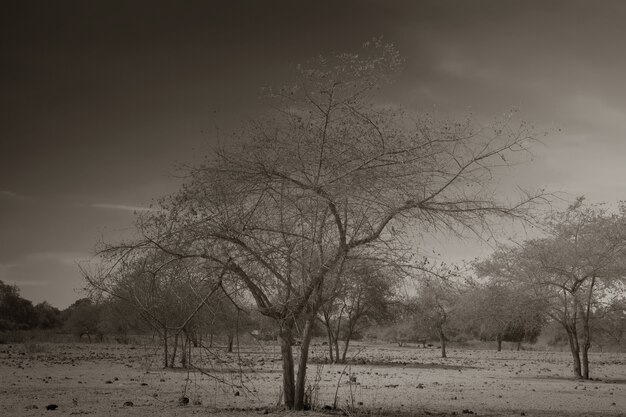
pixel 169 294
pixel 225 320
pixel 83 319
pixel 609 322
pixel 226 314
pixel 48 317
pixel 400 327
pixel 572 269
pixel 16 313
pixel 264 327
pixel 498 311
pixel 119 320
pixel 361 299
pixel 434 307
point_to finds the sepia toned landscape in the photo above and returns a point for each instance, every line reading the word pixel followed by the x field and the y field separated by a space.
pixel 318 207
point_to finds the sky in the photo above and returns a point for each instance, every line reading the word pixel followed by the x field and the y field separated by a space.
pixel 102 101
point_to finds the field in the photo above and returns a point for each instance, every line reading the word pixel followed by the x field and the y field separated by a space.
pixel 104 379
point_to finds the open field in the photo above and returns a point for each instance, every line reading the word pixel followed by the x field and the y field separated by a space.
pixel 98 379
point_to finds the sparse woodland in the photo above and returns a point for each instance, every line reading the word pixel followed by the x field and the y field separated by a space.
pixel 309 226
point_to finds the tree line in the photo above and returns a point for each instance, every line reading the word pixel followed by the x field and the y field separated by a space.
pixel 17 313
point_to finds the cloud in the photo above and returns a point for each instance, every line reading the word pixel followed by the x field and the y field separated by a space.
pixel 598 113
pixel 121 207
pixel 65 258
pixel 9 195
pixel 26 283
pixel 460 67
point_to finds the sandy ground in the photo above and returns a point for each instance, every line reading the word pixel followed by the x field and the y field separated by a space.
pixel 99 379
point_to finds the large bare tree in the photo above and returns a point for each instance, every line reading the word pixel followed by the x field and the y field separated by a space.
pixel 327 172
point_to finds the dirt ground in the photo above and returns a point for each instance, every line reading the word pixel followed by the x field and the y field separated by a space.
pixel 104 379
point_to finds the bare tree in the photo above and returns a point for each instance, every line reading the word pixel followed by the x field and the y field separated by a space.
pixel 168 293
pixel 330 172
pixel 362 298
pixel 580 260
pixel 434 306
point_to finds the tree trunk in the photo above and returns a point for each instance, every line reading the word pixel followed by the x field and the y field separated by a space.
pixel 300 402
pixel 585 314
pixel 585 362
pixel 330 344
pixel 499 339
pixel 572 337
pixel 345 347
pixel 189 346
pixel 329 334
pixel 231 338
pixel 286 353
pixel 183 351
pixel 165 350
pixel 586 345
pixel 336 336
pixel 173 358
pixel 442 339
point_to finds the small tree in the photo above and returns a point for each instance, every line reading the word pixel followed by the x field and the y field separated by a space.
pixel 361 300
pixel 434 308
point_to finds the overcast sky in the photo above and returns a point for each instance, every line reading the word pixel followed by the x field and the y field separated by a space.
pixel 99 100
